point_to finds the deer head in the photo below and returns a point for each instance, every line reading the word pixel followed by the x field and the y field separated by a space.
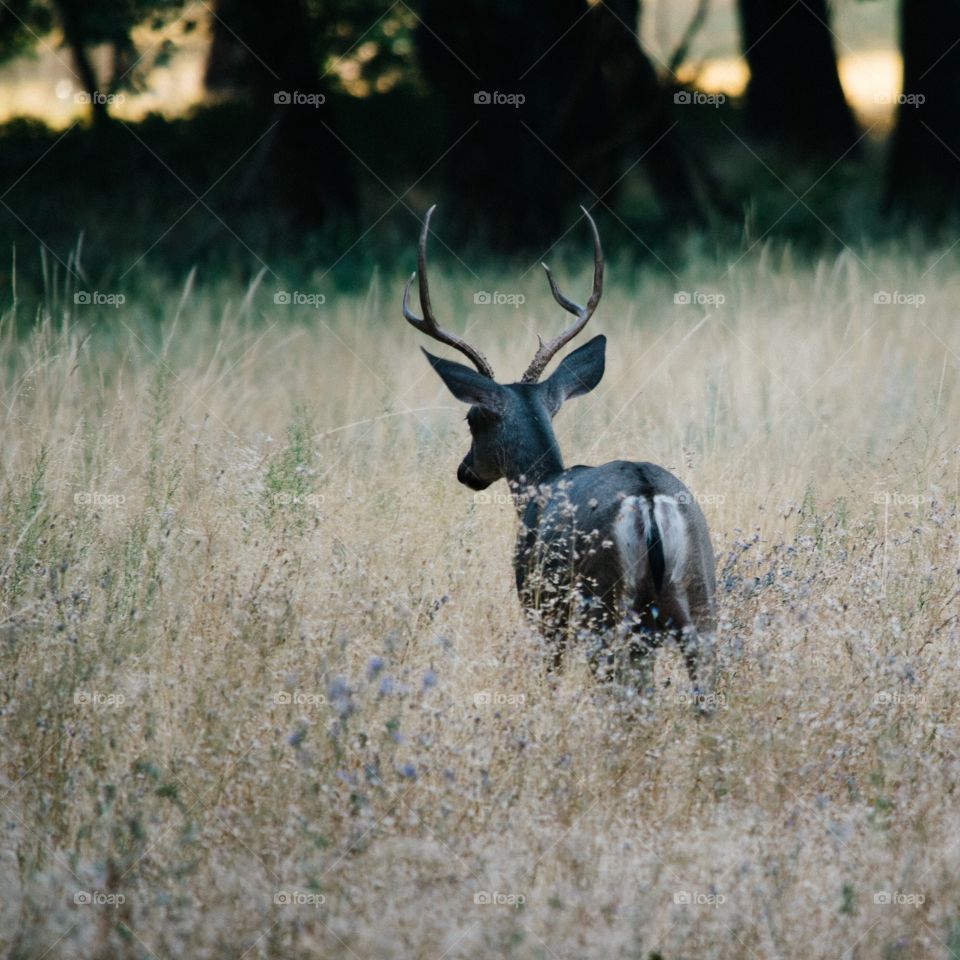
pixel 511 424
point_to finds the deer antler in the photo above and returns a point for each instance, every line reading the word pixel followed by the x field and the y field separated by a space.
pixel 427 323
pixel 547 350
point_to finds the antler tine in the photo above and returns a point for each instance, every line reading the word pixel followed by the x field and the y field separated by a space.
pixel 546 351
pixel 427 323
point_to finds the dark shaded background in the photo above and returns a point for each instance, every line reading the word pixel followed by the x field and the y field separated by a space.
pixel 338 185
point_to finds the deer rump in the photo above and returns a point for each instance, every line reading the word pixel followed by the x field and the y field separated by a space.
pixel 608 547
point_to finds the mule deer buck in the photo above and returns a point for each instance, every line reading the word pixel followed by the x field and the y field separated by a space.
pixel 618 553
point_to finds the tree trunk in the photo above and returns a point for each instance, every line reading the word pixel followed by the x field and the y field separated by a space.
pixel 923 174
pixel 655 134
pixel 794 95
pixel 71 22
pixel 301 162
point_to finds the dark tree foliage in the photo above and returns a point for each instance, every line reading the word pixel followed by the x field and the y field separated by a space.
pixel 590 98
pixel 794 95
pixel 266 56
pixel 516 163
pixel 511 112
pixel 374 35
pixel 84 24
pixel 21 22
pixel 923 175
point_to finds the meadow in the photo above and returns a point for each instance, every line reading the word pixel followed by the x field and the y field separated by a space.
pixel 267 691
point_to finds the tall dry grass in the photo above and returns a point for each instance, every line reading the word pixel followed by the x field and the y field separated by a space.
pixel 267 690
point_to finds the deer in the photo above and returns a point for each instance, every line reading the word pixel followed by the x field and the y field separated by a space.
pixel 618 555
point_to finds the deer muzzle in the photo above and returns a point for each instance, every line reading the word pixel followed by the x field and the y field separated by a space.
pixel 468 478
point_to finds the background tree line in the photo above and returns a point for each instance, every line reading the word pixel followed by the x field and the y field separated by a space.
pixel 593 118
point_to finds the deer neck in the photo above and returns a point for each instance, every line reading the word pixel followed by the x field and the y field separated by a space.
pixel 534 471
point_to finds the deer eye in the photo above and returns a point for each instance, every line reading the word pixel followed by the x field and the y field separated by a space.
pixel 480 417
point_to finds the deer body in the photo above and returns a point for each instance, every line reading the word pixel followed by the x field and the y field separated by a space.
pixel 621 554
pixel 618 554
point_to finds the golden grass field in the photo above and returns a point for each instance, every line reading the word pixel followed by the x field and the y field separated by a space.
pixel 267 691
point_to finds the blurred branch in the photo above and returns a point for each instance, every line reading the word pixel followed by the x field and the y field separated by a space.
pixel 695 25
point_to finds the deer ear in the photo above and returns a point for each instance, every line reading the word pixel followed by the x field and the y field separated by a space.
pixel 579 372
pixel 468 385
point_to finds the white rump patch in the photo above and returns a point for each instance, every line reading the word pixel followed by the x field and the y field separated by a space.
pixel 673 533
pixel 630 534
